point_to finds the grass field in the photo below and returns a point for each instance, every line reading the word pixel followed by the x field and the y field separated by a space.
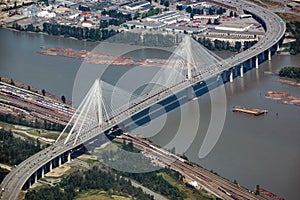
pixel 99 195
pixel 190 193
pixel 27 132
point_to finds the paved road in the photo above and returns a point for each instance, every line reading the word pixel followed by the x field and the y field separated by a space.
pixel 147 191
pixel 14 181
pixel 4 166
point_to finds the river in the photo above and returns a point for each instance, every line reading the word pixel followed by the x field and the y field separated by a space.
pixel 262 150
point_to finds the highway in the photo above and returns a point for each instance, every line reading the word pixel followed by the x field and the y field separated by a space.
pixel 14 181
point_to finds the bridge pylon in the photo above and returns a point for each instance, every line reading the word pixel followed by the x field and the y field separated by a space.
pixel 88 114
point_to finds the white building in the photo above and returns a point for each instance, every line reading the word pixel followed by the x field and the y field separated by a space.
pixel 234 27
pixel 30 11
pixel 207 17
pixel 46 14
pixel 137 5
pixel 184 29
pixel 193 183
pixel 164 16
pixel 145 25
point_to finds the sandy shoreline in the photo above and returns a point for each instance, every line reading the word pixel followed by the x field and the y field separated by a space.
pixel 288 81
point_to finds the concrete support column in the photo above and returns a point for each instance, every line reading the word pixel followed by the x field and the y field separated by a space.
pixel 190 93
pixel 231 76
pixel 29 182
pixel 59 161
pixel 43 172
pixel 50 166
pixel 242 70
pixel 218 77
pixel 69 157
pixel 269 54
pixel 263 55
pixel 224 76
pixel 277 47
pixel 256 62
pixel 35 177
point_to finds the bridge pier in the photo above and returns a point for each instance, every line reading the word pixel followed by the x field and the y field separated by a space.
pixel 277 46
pixel 69 157
pixel 242 70
pixel 256 62
pixel 50 167
pixel 250 63
pixel 235 72
pixel 269 54
pixel 43 172
pixel 59 161
pixel 263 56
pixel 190 93
pixel 218 77
pixel 35 177
pixel 231 76
pixel 223 76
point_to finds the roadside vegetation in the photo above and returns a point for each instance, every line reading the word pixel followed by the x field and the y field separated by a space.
pixel 184 188
pixel 222 45
pixel 102 182
pixel 3 173
pixel 155 181
pixel 292 32
pixel 163 181
pixel 294 28
pixel 14 150
pixel 80 182
pixel 20 119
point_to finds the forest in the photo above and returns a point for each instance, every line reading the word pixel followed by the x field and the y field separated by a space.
pixel 222 45
pixel 290 72
pixel 14 150
pixel 73 184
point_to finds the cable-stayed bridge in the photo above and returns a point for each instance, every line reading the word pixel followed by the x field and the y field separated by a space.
pixel 193 71
pixel 102 107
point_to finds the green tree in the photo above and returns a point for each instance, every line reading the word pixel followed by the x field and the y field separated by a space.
pixel 216 22
pixel 238 46
pixel 63 99
pixel 166 3
pixel 188 9
pixel 192 15
pixel 211 11
pixel 12 82
pixel 257 190
pixel 209 21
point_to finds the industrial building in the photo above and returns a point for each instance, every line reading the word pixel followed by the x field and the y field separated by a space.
pixel 137 5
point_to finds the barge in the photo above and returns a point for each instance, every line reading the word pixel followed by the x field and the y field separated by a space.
pixel 252 111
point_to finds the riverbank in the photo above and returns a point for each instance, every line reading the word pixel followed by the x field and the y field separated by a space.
pixel 33 89
pixel 42 33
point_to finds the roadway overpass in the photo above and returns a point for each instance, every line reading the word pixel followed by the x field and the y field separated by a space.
pixel 27 172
